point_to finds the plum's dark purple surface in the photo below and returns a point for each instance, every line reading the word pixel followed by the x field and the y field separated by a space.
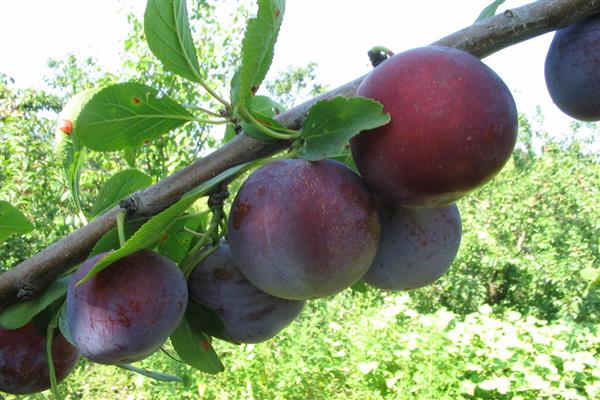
pixel 301 230
pixel 126 311
pixel 572 69
pixel 248 314
pixel 23 361
pixel 417 246
pixel 453 126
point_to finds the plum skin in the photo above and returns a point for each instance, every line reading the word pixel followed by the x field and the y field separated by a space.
pixel 417 247
pixel 126 311
pixel 572 69
pixel 23 361
pixel 301 230
pixel 248 314
pixel 453 127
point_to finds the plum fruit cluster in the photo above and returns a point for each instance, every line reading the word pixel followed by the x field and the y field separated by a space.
pixel 125 312
pixel 23 360
pixel 301 230
pixel 572 69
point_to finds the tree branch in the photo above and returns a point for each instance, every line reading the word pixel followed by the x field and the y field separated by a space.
pixel 31 276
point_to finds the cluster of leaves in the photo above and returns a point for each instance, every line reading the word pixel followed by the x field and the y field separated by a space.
pixel 380 347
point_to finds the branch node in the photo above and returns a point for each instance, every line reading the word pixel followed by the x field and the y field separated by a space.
pixel 129 205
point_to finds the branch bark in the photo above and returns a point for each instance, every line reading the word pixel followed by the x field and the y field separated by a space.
pixel 33 275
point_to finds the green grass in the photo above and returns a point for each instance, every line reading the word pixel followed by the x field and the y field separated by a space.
pixel 376 346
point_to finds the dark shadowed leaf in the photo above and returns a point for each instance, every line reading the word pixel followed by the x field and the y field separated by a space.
pixel 169 37
pixel 176 242
pixel 125 115
pixel 195 349
pixel 12 221
pixel 330 124
pixel 117 187
pixel 18 314
pixel 63 325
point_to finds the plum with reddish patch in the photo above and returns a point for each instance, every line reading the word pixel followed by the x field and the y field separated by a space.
pixel 249 315
pixel 126 311
pixel 453 127
pixel 301 230
pixel 23 361
pixel 572 69
pixel 417 247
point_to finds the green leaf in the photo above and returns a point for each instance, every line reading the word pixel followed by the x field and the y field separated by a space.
pixel 490 10
pixel 12 221
pixel 203 319
pixel 178 242
pixel 125 115
pixel 157 376
pixel 169 37
pixel 258 47
pixel 229 133
pixel 18 314
pixel 266 106
pixel 265 120
pixel 130 154
pixel 330 124
pixel 155 228
pixel 110 240
pixel 345 157
pixel 119 186
pixel 263 109
pixel 195 349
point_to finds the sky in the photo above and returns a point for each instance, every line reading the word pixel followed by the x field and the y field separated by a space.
pixel 336 34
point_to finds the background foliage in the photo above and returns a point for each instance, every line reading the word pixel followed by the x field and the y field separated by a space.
pixel 516 316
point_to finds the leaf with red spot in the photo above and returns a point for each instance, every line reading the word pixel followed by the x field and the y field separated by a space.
pixel 111 120
pixel 258 47
pixel 195 349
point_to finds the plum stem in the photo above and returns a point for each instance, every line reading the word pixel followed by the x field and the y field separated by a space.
pixel 51 371
pixel 121 228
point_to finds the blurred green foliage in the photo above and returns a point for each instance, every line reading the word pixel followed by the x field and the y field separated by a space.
pixel 512 319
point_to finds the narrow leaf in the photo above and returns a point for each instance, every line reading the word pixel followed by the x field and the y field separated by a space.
pixel 195 349
pixel 330 124
pixel 169 37
pixel 157 376
pixel 12 221
pixel 490 10
pixel 258 47
pixel 18 314
pixel 125 115
pixel 117 187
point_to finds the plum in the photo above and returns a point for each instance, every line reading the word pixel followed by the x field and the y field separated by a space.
pixel 572 69
pixel 453 127
pixel 126 311
pixel 417 246
pixel 301 230
pixel 249 315
pixel 23 361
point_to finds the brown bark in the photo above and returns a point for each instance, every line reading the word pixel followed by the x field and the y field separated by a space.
pixel 481 39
